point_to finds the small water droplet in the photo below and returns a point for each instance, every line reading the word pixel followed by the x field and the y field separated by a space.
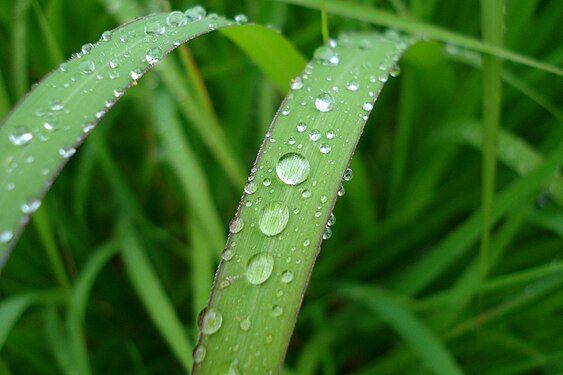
pixel 250 187
pixel 136 73
pixel 228 254
pixel 348 174
pixel 318 214
pixel 154 28
pixel 286 277
pixel 341 191
pixel 296 83
pixel 210 320
pixel 236 225
pixel 324 102
pixel 241 18
pixel 176 18
pixel 30 207
pixel 330 134
pixel 326 56
pixel 367 106
pixel 314 135
pixel 352 85
pixel 327 233
pixel 291 140
pixel 67 152
pixel 301 127
pixel 199 354
pixel 87 67
pixel 153 55
pixel 106 35
pixel 395 71
pixel 20 136
pixel 324 148
pixel 245 324
pixel 274 218
pixel 196 13
pixel 331 220
pixel 266 182
pixel 277 310
pixel 56 104
pixel 306 193
pixel 306 243
pixel 6 235
pixel 292 168
pixel 259 268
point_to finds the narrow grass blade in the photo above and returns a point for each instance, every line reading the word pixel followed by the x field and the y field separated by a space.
pixel 283 215
pixel 383 18
pixel 154 298
pixel 416 335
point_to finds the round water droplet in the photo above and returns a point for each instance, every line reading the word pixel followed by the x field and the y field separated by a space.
pixel 266 182
pixel 330 134
pixel 241 18
pixel 274 218
pixel 30 207
pixel 106 35
pixel 228 254
pixel 210 320
pixel 301 127
pixel 6 235
pixel 306 194
pixel 136 73
pixel 324 102
pixel 87 67
pixel 176 18
pixel 153 55
pixel 395 71
pixel 236 225
pixel 331 220
pixel 259 268
pixel 291 140
pixel 292 168
pixel 250 187
pixel 348 174
pixel 199 354
pixel 67 152
pixel 296 83
pixel 314 135
pixel 286 277
pixel 20 136
pixel 154 28
pixel 327 233
pixel 324 148
pixel 195 14
pixel 352 85
pixel 277 310
pixel 245 324
pixel 341 191
pixel 326 56
pixel 367 106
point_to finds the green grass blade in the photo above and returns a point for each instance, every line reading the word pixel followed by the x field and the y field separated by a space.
pixel 383 18
pixel 414 332
pixel 282 216
pixel 154 298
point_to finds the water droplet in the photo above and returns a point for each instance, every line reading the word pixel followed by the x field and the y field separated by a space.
pixel 195 14
pixel 20 136
pixel 331 220
pixel 323 199
pixel 301 127
pixel 327 233
pixel 86 48
pixel 314 135
pixel 330 134
pixel 326 56
pixel 250 187
pixel 30 207
pixel 56 104
pixel 318 214
pixel 245 324
pixel 176 18
pixel 324 102
pixel 199 354
pixel 324 148
pixel 291 140
pixel 267 182
pixel 306 193
pixel 259 268
pixel 154 28
pixel 153 55
pixel 292 168
pixel 277 310
pixel 341 191
pixel 210 320
pixel 352 85
pixel 367 106
pixel 67 152
pixel 63 67
pixel 286 277
pixel 136 73
pixel 241 18
pixel 87 67
pixel 274 218
pixel 6 235
pixel 395 71
pixel 296 83
pixel 236 225
pixel 106 35
pixel 348 174
pixel 228 254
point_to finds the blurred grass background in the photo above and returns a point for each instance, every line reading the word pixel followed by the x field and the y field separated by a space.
pixel 407 231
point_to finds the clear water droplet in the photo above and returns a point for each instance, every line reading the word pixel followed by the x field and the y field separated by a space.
pixel 30 207
pixel 228 254
pixel 326 56
pixel 196 13
pixel 236 225
pixel 106 35
pixel 323 199
pixel 395 71
pixel 136 73
pixel 153 55
pixel 367 106
pixel 277 310
pixel 86 48
pixel 176 18
pixel 56 104
pixel 286 277
pixel 67 152
pixel 331 220
pixel 154 28
pixel 314 135
pixel 327 233
pixel 266 182
pixel 259 268
pixel 199 354
pixel 241 18
pixel 348 174
pixel 6 235
pixel 296 83
pixel 341 191
pixel 87 67
pixel 324 148
pixel 306 193
pixel 250 187
pixel 352 85
pixel 291 140
pixel 245 324
pixel 20 136
pixel 324 102
pixel 210 320
pixel 274 218
pixel 301 127
pixel 330 134
pixel 292 168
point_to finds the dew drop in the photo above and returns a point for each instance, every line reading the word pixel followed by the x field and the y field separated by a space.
pixel 324 148
pixel 153 55
pixel 250 187
pixel 277 310
pixel 327 233
pixel 154 28
pixel 395 71
pixel 348 174
pixel 136 73
pixel 195 14
pixel 228 254
pixel 314 135
pixel 20 136
pixel 259 268
pixel 210 320
pixel 301 127
pixel 341 191
pixel 241 18
pixel 326 56
pixel 67 152
pixel 236 225
pixel 292 168
pixel 245 324
pixel 106 35
pixel 176 18
pixel 274 218
pixel 199 354
pixel 330 134
pixel 266 182
pixel 296 83
pixel 286 277
pixel 6 235
pixel 331 220
pixel 291 140
pixel 30 207
pixel 56 104
pixel 324 102
pixel 87 67
pixel 367 106
pixel 306 194
pixel 352 85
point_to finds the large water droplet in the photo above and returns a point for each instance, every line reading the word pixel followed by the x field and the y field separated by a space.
pixel 324 102
pixel 176 18
pixel 199 354
pixel 326 56
pixel 20 136
pixel 274 218
pixel 292 168
pixel 136 73
pixel 196 13
pixel 210 320
pixel 259 268
pixel 236 225
pixel 154 28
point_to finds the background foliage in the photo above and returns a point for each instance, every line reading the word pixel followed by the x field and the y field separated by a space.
pixel 404 252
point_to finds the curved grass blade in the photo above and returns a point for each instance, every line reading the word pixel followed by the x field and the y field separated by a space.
pixel 283 215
